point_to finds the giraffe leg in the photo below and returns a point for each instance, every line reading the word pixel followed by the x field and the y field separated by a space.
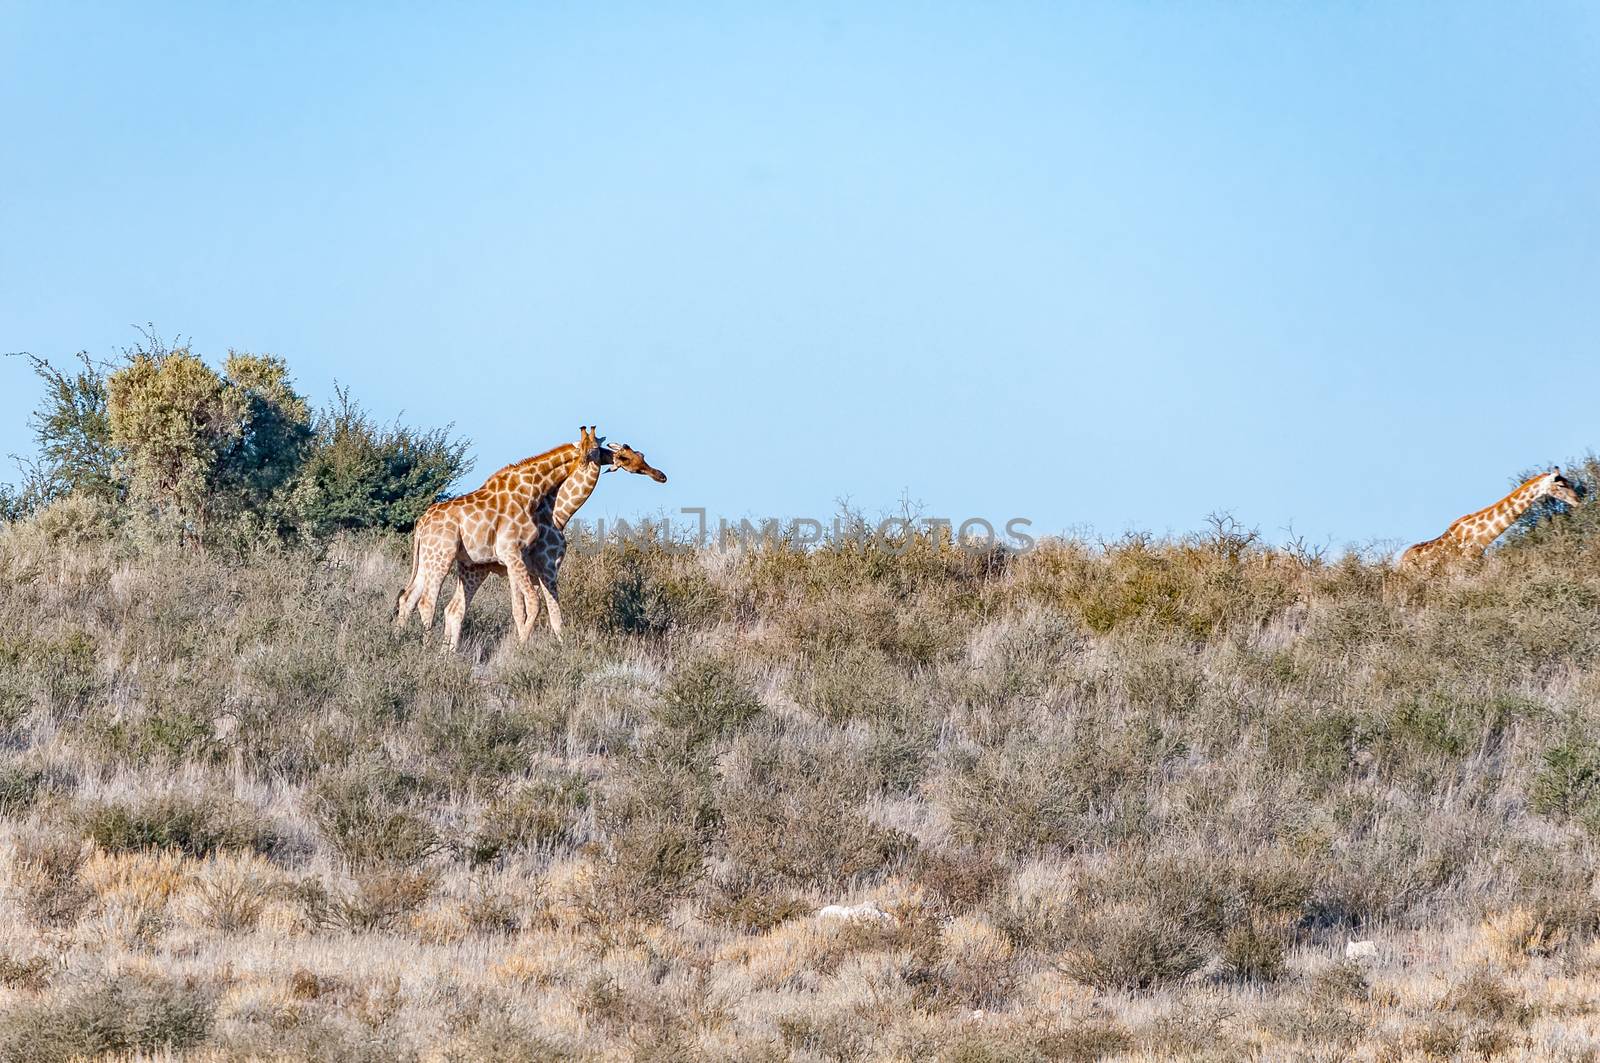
pixel 519 603
pixel 547 588
pixel 542 561
pixel 531 613
pixel 404 604
pixel 408 599
pixel 423 532
pixel 510 555
pixel 416 595
pixel 468 579
pixel 545 564
pixel 432 579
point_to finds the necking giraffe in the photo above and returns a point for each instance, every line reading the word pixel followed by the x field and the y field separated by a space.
pixel 497 522
pixel 1468 537
pixel 543 559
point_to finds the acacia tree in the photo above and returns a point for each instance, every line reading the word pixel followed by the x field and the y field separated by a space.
pixel 195 443
pixel 163 430
pixel 277 432
pixel 360 473
pixel 73 432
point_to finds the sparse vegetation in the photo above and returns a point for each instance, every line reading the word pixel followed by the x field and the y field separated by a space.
pixel 119 1015
pixel 1097 801
pixel 159 431
pixel 193 824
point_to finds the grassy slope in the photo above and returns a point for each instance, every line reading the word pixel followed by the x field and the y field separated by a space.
pixel 1123 802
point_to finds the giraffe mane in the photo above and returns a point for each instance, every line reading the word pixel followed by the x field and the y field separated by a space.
pixel 1486 510
pixel 537 458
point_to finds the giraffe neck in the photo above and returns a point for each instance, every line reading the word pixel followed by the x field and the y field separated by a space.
pixel 574 492
pixel 532 478
pixel 1485 526
pixel 536 465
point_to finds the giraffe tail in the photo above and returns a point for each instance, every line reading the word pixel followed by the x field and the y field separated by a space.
pixel 400 602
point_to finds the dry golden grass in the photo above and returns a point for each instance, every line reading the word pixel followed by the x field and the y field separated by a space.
pixel 1122 802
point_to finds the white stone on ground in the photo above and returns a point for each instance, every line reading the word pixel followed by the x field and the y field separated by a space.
pixel 868 912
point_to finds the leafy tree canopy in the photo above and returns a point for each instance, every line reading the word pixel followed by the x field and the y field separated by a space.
pixel 164 431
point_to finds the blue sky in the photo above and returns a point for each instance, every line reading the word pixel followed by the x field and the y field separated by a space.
pixel 1113 265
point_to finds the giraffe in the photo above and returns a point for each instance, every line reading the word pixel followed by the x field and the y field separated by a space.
pixel 1468 537
pixel 496 522
pixel 543 558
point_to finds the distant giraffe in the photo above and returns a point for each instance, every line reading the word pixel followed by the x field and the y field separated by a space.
pixel 1468 537
pixel 497 522
pixel 543 558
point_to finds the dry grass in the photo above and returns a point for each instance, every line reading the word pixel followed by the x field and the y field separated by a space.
pixel 1121 802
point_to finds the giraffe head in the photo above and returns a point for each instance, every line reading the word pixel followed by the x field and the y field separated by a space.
pixel 626 458
pixel 1560 488
pixel 591 447
pixel 588 442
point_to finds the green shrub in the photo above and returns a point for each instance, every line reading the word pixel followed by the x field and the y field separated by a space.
pixel 907 634
pixel 648 589
pixel 657 820
pixel 1193 589
pixel 313 1034
pixel 1040 792
pixel 751 904
pixel 365 813
pixel 30 975
pixel 817 1034
pixel 1019 662
pixel 1132 946
pixel 986 1048
pixel 20 785
pixel 196 825
pixel 858 683
pixel 898 757
pixel 653 859
pixel 707 699
pixel 73 432
pixel 123 1015
pixel 777 785
pixel 1253 953
pixel 67 670
pixel 545 813
pixel 360 474
pixel 1568 779
pixel 176 727
pixel 198 444
pixel 471 742
pixel 46 876
pixel 956 880
pixel 502 1040
pixel 1085 1041
pixel 1484 997
pixel 236 450
pixel 377 900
